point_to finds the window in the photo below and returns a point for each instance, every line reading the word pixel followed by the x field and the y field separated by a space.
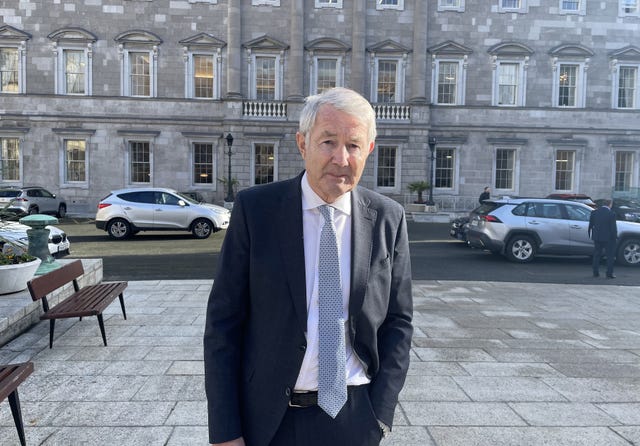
pixel 265 2
pixel 505 169
pixel 73 48
pixel 564 170
pixel 328 3
pixel 508 79
pixel 387 81
pixel 570 64
pixel 451 5
pixel 9 70
pixel 627 92
pixel 265 68
pixel 263 163
pixel 203 163
pixel 203 61
pixel 139 55
pixel 623 171
pixel 13 59
pixel 512 5
pixel 510 61
pixel 444 168
pixel 386 168
pixel 573 7
pixel 75 161
pixel 326 74
pixel 448 83
pixel 390 4
pixel 629 8
pixel 139 162
pixel 10 159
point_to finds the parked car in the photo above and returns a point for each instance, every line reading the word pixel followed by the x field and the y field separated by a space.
pixel 625 209
pixel 33 200
pixel 14 231
pixel 580 198
pixel 525 228
pixel 125 212
pixel 458 228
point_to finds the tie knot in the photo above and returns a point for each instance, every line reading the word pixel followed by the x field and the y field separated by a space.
pixel 327 212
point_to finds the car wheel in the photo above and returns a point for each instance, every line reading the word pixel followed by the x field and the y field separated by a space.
pixel 62 210
pixel 521 249
pixel 119 229
pixel 629 252
pixel 202 228
pixel 34 210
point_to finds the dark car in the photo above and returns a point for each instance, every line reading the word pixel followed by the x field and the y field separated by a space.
pixel 580 198
pixel 626 209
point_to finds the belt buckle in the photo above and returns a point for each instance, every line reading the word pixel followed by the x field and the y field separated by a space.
pixel 297 393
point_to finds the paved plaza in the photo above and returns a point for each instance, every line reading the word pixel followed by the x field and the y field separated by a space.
pixel 493 364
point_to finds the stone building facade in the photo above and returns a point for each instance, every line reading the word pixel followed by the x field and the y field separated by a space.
pixel 529 97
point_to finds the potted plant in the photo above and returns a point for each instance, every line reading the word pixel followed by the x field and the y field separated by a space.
pixel 16 266
pixel 419 187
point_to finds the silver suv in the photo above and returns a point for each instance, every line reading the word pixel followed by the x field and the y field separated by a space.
pixel 125 212
pixel 33 200
pixel 523 228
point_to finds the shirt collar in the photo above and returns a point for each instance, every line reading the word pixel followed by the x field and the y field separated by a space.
pixel 311 200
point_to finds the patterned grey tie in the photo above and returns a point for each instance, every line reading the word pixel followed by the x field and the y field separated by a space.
pixel 332 386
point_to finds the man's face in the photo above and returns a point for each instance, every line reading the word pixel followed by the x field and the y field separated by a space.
pixel 336 152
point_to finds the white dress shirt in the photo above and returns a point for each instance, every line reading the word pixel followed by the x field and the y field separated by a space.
pixel 312 223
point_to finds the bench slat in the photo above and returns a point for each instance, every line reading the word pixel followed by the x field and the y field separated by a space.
pixel 89 301
pixel 11 376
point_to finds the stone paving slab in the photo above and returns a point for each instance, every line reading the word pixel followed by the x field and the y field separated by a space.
pixel 493 364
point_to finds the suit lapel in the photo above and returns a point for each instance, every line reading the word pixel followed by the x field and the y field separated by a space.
pixel 291 243
pixel 362 221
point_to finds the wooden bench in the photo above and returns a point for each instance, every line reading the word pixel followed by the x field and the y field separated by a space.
pixel 90 300
pixel 11 376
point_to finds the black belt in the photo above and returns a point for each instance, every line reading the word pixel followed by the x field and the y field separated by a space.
pixel 305 398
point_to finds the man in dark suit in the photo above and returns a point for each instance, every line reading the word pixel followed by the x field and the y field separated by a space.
pixel 604 232
pixel 263 342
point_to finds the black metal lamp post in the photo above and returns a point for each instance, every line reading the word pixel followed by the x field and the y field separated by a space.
pixel 229 197
pixel 432 149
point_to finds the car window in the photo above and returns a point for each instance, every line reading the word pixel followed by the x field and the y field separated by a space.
pixel 9 193
pixel 33 193
pixel 46 193
pixel 578 213
pixel 139 197
pixel 544 210
pixel 165 198
pixel 485 208
pixel 520 210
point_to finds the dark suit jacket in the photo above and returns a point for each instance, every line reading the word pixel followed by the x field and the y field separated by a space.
pixel 254 339
pixel 602 225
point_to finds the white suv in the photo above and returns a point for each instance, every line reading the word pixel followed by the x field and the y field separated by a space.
pixel 125 212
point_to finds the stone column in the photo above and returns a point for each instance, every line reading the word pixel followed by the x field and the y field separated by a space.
pixel 419 68
pixel 358 46
pixel 234 50
pixel 295 66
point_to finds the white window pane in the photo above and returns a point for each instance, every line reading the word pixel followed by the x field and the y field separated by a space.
pixel 387 75
pixel 74 71
pixel 564 169
pixel 140 74
pixel 9 70
pixel 447 82
pixel 75 156
pixel 386 172
pixel 624 166
pixel 568 85
pixel 508 84
pixel 203 75
pixel 444 168
pixel 627 87
pixel 10 159
pixel 203 163
pixel 265 78
pixel 327 74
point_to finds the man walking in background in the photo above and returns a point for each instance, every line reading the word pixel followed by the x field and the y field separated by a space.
pixel 604 232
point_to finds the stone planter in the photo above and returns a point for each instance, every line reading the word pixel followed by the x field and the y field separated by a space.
pixel 415 207
pixel 14 278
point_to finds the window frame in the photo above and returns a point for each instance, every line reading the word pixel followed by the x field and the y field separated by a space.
pixel 453 168
pixel 616 85
pixel 521 81
pixel 339 71
pixel 129 162
pixel 16 40
pixel 459 8
pixel 622 9
pixel 4 138
pixel 64 164
pixel 275 146
pixel 213 166
pixel 265 2
pixel 131 42
pixel 581 10
pixel 190 74
pixel 521 9
pixel 328 4
pixel 515 170
pixel 631 172
pixel 399 80
pixel 399 5
pixel 459 84
pixel 397 167
pixel 574 171
pixel 581 83
pixel 61 72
